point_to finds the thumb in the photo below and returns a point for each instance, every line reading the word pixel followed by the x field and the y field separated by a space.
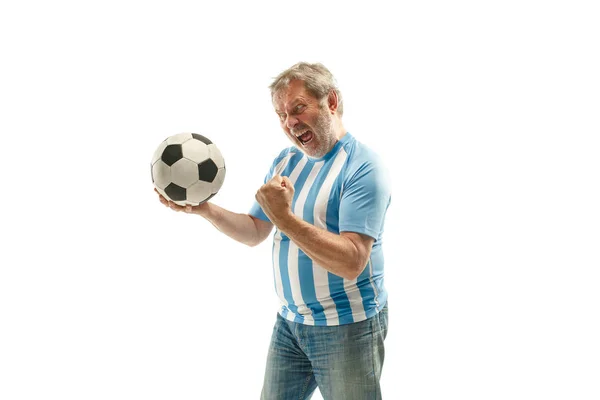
pixel 276 179
pixel 286 182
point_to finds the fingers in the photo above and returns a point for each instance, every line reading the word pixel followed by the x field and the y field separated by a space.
pixel 281 181
pixel 259 196
pixel 162 198
pixel 277 182
pixel 286 182
pixel 175 207
pixel 188 208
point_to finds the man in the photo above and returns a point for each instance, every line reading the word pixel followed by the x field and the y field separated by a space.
pixel 327 197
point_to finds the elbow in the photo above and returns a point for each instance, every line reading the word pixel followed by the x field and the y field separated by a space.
pixel 358 255
pixel 252 243
pixel 355 270
pixel 351 276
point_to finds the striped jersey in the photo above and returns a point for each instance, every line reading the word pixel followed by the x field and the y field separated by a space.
pixel 345 190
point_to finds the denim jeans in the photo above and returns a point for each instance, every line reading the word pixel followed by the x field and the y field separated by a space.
pixel 344 361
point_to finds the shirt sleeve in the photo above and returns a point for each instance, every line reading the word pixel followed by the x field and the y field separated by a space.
pixel 366 196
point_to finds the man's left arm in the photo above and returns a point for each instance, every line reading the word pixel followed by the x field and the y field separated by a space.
pixel 345 255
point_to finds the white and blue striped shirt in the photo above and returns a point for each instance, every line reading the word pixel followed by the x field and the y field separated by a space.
pixel 346 190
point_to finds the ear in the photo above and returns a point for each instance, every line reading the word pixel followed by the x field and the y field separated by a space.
pixel 332 101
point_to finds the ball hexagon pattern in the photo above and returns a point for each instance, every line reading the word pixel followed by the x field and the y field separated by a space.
pixel 187 168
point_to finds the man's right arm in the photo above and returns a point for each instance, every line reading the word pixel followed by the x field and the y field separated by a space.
pixel 241 227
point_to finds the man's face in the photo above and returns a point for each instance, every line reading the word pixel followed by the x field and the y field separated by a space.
pixel 306 121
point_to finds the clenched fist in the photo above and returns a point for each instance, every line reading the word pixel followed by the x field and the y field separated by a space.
pixel 275 197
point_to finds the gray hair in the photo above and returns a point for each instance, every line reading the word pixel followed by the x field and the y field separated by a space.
pixel 317 80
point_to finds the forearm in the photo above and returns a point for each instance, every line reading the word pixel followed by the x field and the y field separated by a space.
pixel 239 227
pixel 333 252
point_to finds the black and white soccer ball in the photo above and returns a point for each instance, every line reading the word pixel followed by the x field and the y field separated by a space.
pixel 187 168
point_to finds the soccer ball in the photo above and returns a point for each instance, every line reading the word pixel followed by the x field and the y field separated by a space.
pixel 187 168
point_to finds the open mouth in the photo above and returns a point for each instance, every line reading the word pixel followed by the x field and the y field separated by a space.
pixel 305 137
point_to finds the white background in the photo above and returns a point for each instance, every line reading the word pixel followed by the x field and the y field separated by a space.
pixel 486 113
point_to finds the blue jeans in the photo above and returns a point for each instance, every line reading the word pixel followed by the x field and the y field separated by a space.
pixel 344 361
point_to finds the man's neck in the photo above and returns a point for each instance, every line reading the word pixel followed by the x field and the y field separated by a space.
pixel 338 128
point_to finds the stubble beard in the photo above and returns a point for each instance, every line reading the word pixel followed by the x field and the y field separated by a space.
pixel 324 133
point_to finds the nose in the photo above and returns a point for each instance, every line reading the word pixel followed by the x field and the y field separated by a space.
pixel 291 121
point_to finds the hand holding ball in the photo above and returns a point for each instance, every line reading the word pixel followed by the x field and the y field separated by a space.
pixel 187 169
